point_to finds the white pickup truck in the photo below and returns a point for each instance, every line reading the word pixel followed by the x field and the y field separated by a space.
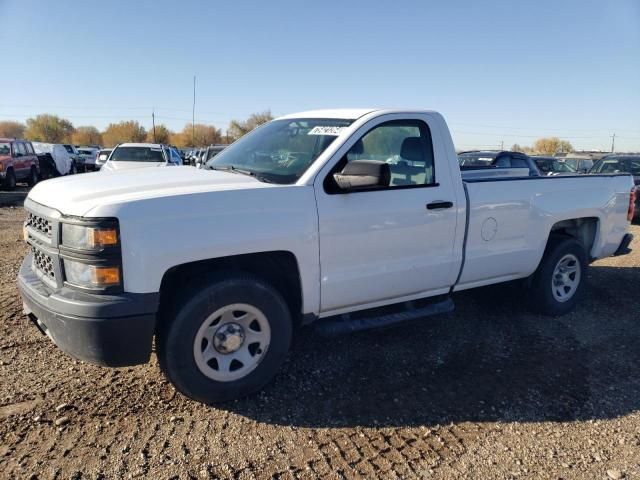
pixel 321 216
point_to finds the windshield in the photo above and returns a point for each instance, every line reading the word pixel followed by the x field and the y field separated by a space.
pixel 550 165
pixel 5 149
pixel 280 151
pixel 68 148
pixel 476 159
pixel 137 154
pixel 618 165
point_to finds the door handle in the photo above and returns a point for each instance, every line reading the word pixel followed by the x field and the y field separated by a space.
pixel 439 205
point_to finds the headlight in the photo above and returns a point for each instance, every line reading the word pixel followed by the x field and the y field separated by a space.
pixel 91 276
pixel 86 237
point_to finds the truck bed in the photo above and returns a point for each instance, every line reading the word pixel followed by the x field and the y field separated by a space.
pixel 509 219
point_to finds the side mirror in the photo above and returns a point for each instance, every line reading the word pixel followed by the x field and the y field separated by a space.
pixel 361 174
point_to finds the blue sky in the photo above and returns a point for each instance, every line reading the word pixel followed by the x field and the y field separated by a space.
pixel 499 71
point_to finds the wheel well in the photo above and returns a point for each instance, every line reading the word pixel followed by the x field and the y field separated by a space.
pixel 582 229
pixel 279 269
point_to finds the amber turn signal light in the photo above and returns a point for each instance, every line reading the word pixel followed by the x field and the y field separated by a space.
pixel 103 237
pixel 106 276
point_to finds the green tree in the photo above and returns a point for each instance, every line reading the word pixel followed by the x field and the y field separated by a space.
pixel 9 129
pixel 162 135
pixel 87 135
pixel 239 128
pixel 127 131
pixel 551 146
pixel 49 128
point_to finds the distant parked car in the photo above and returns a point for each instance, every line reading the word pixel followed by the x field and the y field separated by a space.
pixel 18 161
pixel 76 159
pixel 621 164
pixel 210 152
pixel 141 155
pixel 62 161
pixel 580 165
pixel 88 155
pixel 102 157
pixel 497 159
pixel 551 166
pixel 47 166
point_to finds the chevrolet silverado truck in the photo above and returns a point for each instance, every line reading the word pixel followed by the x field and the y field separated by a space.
pixel 349 219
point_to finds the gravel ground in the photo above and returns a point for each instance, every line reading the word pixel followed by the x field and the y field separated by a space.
pixel 490 391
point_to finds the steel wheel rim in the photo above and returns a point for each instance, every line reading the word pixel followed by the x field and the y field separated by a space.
pixel 566 278
pixel 231 342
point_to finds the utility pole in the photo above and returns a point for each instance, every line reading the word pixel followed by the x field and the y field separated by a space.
pixel 153 121
pixel 613 142
pixel 193 115
pixel 502 145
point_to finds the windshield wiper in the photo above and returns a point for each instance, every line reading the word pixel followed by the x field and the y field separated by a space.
pixel 232 169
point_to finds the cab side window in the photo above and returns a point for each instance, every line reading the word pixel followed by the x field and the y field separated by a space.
pixel 19 148
pixel 405 145
pixel 29 148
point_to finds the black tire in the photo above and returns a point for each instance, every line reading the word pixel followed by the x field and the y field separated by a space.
pixel 541 295
pixel 177 334
pixel 9 182
pixel 33 176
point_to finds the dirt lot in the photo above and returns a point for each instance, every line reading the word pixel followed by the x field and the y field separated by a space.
pixel 490 391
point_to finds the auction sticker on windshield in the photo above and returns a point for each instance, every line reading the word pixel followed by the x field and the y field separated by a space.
pixel 319 130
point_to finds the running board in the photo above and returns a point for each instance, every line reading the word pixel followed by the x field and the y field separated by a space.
pixel 343 324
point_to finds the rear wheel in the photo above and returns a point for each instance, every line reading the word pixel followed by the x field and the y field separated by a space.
pixel 33 176
pixel 9 182
pixel 558 283
pixel 226 341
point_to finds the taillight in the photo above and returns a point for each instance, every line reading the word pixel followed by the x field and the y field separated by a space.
pixel 632 204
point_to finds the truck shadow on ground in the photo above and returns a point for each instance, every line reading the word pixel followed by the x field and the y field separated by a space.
pixel 490 360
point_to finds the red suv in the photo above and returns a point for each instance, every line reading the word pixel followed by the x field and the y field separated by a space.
pixel 18 161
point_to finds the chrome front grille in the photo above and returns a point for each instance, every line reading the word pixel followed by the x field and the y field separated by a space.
pixel 40 224
pixel 43 263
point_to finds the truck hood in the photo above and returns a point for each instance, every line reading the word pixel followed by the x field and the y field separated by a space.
pixel 79 194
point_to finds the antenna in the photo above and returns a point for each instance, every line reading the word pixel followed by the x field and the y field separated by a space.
pixel 153 120
pixel 193 115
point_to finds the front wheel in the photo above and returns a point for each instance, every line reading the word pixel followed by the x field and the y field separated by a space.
pixel 558 283
pixel 226 341
pixel 9 182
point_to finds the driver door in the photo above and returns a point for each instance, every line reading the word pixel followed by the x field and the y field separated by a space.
pixel 391 243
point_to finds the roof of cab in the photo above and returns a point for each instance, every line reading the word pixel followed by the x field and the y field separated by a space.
pixel 343 113
pixel 142 145
pixel 349 113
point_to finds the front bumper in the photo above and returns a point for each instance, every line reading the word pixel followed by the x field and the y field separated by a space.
pixel 109 330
